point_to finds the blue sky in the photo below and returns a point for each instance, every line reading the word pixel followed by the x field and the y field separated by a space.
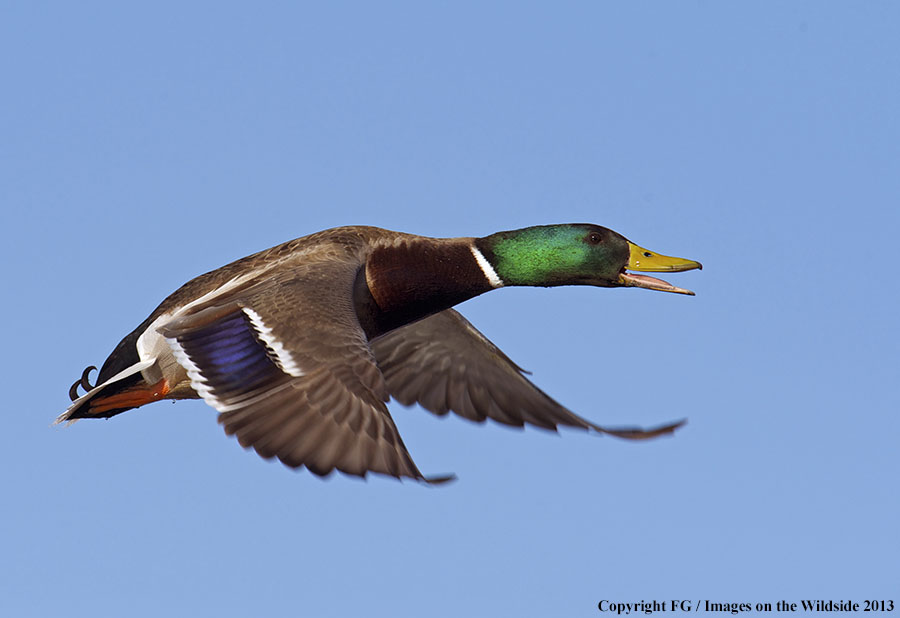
pixel 143 146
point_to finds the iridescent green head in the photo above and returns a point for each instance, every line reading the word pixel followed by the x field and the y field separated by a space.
pixel 575 254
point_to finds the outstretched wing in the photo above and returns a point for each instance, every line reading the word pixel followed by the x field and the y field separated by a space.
pixel 443 363
pixel 287 365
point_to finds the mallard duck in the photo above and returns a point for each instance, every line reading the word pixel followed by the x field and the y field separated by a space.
pixel 299 347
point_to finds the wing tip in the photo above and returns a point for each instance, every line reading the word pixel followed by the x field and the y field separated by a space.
pixel 638 433
pixel 363 475
pixel 433 481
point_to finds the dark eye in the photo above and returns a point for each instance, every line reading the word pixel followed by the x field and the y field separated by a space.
pixel 647 254
pixel 594 238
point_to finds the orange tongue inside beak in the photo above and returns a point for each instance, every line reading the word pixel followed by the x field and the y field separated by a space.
pixel 650 283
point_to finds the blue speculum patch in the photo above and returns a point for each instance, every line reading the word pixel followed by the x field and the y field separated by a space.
pixel 230 356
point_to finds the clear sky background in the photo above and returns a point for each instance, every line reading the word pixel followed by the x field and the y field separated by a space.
pixel 140 147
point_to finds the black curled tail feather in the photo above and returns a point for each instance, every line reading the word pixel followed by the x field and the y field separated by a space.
pixel 84 382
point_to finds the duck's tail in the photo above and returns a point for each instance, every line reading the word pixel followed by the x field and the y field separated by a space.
pixel 128 389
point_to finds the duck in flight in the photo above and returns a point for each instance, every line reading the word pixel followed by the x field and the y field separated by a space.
pixel 300 346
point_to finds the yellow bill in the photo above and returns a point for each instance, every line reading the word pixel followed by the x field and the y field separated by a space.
pixel 647 261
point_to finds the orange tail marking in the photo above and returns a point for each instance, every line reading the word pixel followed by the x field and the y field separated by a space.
pixel 131 398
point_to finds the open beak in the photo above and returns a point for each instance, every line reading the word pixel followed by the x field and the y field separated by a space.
pixel 647 261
